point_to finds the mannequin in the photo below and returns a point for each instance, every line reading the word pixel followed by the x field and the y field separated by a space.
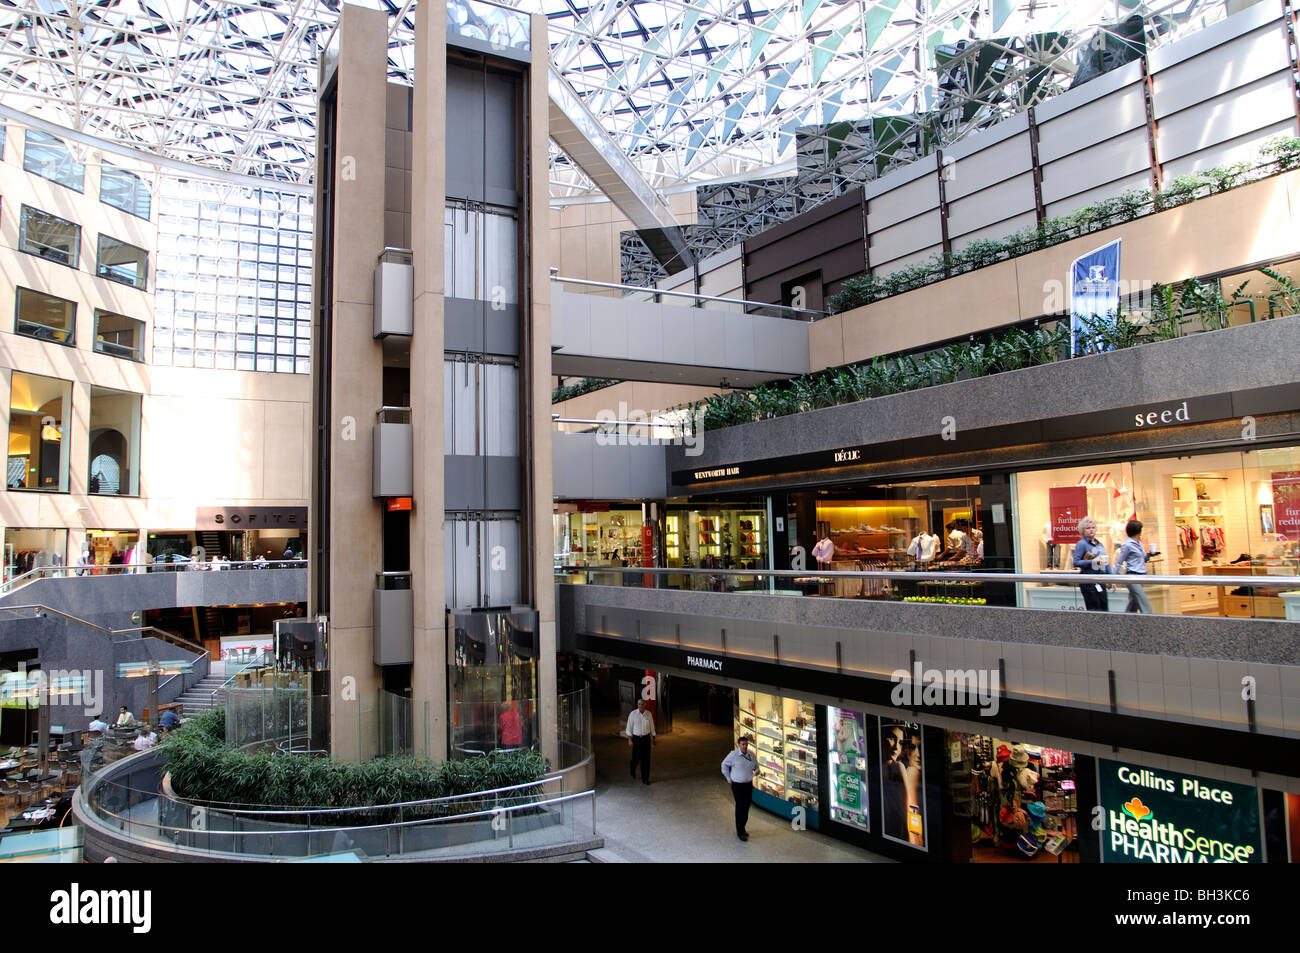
pixel 1052 562
pixel 923 546
pixel 824 551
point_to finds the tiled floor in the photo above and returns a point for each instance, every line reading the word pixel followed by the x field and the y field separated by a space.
pixel 686 814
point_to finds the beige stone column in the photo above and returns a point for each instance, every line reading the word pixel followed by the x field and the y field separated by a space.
pixel 538 352
pixel 428 199
pixel 356 521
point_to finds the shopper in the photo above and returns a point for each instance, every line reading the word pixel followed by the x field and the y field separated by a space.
pixel 1132 559
pixel 1090 558
pixel 640 736
pixel 738 768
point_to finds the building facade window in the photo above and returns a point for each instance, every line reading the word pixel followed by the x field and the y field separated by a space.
pixel 124 190
pixel 121 262
pixel 119 336
pixel 39 408
pixel 237 263
pixel 114 461
pixel 43 316
pixel 48 236
pixel 50 158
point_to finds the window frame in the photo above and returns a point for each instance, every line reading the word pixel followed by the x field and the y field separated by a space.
pixel 101 271
pixel 107 169
pixel 51 140
pixel 72 332
pixel 138 354
pixel 23 240
pixel 65 451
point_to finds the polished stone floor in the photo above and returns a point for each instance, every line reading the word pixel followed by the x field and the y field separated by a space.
pixel 686 814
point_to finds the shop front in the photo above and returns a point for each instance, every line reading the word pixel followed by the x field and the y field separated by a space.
pixel 1234 513
pixel 113 550
pixel 785 737
pixel 28 549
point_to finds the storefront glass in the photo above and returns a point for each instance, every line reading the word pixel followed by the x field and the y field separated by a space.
pixel 1223 514
pixel 38 441
pixel 730 535
pixel 114 463
pixel 608 536
pixel 112 550
pixel 785 743
pixel 28 549
pixel 1018 800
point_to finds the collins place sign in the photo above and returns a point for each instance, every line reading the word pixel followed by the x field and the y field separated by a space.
pixel 1163 817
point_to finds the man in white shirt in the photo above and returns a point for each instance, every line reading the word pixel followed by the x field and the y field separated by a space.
pixel 145 740
pixel 640 736
pixel 739 768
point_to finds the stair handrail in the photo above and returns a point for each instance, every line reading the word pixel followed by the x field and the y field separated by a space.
pixel 260 660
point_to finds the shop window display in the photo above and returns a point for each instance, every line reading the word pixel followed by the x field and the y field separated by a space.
pixel 732 536
pixel 1019 800
pixel 38 444
pixel 30 549
pixel 1214 514
pixel 610 537
pixel 785 743
pixel 920 527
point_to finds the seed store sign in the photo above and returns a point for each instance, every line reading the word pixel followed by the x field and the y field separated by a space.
pixel 1163 817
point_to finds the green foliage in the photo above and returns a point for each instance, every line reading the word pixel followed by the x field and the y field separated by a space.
pixel 1106 332
pixel 1277 155
pixel 1285 296
pixel 578 388
pixel 1283 152
pixel 203 768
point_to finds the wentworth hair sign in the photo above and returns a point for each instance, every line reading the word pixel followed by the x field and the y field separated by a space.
pixel 1155 816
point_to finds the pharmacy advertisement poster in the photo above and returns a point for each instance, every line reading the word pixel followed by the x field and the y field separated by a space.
pixel 1155 816
pixel 847 750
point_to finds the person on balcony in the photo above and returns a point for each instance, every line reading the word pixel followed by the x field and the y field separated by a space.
pixel 1132 559
pixel 1090 558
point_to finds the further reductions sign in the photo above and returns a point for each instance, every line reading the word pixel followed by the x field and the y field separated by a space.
pixel 1163 817
pixel 1286 503
pixel 1067 505
pixel 1094 287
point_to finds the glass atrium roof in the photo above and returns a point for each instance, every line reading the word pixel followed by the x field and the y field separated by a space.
pixel 692 90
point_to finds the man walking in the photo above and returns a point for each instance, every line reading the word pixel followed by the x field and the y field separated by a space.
pixel 640 736
pixel 738 768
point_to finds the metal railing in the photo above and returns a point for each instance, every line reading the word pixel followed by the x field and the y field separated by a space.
pixel 658 294
pixel 465 825
pixel 140 569
pixel 951 586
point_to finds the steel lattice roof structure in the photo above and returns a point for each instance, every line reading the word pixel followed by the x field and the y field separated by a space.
pixel 691 90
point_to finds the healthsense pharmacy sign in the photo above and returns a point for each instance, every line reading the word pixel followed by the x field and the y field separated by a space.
pixel 1163 817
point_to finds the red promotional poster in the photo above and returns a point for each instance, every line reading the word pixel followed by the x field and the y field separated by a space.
pixel 1286 503
pixel 647 555
pixel 1067 505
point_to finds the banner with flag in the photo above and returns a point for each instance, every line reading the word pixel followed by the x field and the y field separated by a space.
pixel 1093 287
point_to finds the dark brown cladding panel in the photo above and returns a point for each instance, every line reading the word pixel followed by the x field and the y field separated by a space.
pixel 829 240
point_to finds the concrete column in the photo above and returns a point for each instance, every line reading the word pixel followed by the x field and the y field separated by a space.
pixel 538 352
pixel 428 200
pixel 356 386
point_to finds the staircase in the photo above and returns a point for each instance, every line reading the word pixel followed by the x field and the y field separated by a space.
pixel 199 698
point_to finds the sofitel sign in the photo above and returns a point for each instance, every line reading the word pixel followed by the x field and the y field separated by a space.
pixel 250 517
